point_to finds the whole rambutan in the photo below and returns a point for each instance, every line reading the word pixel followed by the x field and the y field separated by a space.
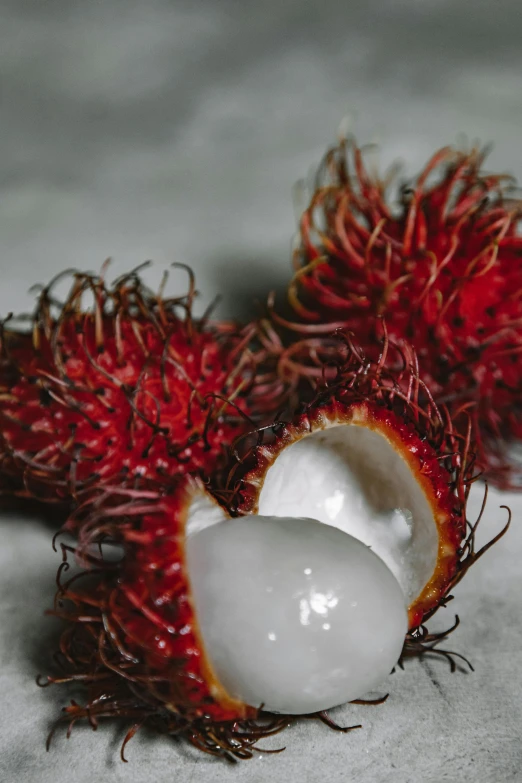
pixel 351 532
pixel 128 388
pixel 442 262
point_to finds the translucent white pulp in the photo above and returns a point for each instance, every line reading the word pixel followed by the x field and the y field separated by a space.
pixel 295 615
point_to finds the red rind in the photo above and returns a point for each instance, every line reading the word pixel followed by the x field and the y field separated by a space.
pixel 141 621
pixel 130 393
pixel 442 265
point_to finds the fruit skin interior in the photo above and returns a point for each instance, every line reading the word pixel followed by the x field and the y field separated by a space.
pixel 151 603
pixel 388 467
pixel 293 615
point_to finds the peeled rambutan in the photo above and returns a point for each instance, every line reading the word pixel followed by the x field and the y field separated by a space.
pixel 130 389
pixel 351 532
pixel 442 264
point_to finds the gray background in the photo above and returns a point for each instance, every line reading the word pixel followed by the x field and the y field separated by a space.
pixel 176 131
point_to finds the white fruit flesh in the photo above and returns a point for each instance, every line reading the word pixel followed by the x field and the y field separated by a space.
pixel 294 615
pixel 352 478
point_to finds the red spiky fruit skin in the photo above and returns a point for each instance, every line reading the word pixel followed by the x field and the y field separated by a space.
pixel 127 394
pixel 147 607
pixel 444 269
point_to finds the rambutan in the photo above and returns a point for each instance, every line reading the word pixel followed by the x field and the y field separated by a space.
pixel 130 389
pixel 351 532
pixel 441 263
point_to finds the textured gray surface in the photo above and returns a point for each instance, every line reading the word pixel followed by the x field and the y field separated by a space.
pixel 175 131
